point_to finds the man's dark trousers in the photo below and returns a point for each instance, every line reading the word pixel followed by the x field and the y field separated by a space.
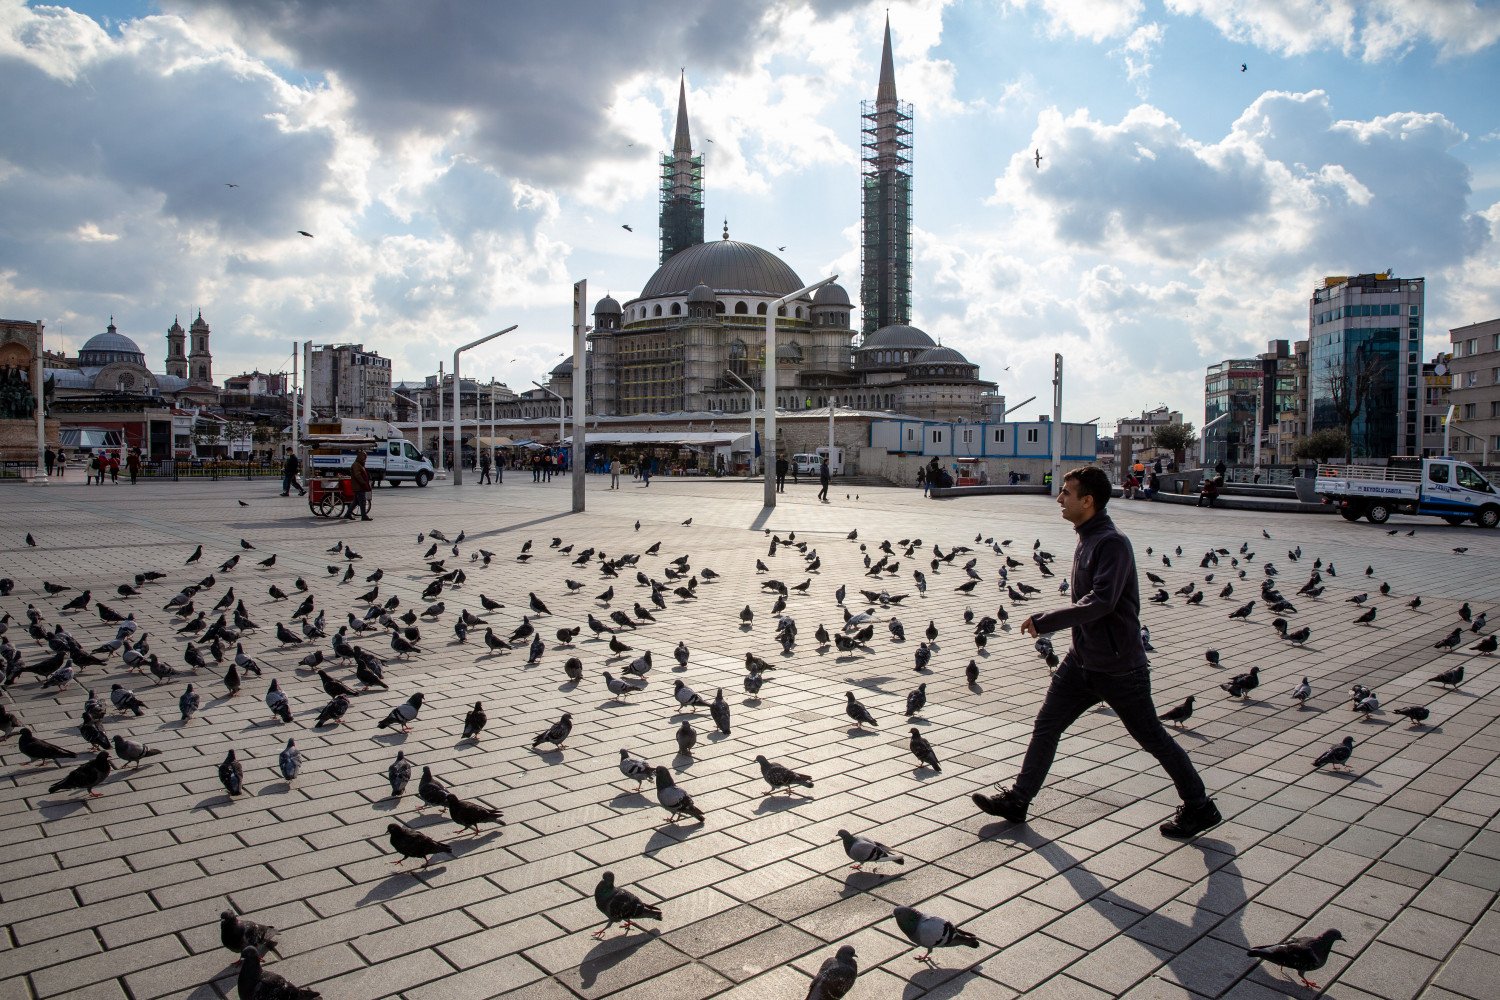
pixel 1074 691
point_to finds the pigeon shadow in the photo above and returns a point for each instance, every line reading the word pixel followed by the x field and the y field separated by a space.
pixel 1380 722
pixel 932 976
pixel 779 803
pixel 1189 732
pixel 568 686
pixel 675 832
pixel 683 762
pixel 279 788
pixel 611 952
pixel 390 739
pixel 917 720
pixel 855 731
pixel 632 798
pixel 717 737
pixel 863 880
pixel 387 804
pixel 222 799
pixel 61 809
pixel 398 882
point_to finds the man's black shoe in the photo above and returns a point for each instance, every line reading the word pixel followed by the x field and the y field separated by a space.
pixel 1006 805
pixel 1192 820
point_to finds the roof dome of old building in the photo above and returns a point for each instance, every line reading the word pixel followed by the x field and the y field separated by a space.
pixel 898 336
pixel 702 293
pixel 724 266
pixel 563 368
pixel 832 294
pixel 607 306
pixel 940 355
pixel 109 347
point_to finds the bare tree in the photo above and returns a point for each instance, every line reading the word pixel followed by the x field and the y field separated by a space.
pixel 1350 390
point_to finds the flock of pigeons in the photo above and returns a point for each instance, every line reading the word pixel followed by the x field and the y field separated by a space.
pixel 56 645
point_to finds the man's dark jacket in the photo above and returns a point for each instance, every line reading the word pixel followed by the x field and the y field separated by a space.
pixel 1106 612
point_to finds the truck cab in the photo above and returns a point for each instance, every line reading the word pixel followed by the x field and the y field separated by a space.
pixel 1437 487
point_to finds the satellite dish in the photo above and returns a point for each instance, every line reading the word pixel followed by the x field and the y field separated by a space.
pixel 1440 369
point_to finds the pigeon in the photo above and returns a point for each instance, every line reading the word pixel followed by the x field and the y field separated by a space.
pixel 931 932
pixel 557 734
pixel 1486 646
pixel 125 700
pixel 1418 714
pixel 687 738
pixel 1300 954
pixel 409 843
pixel 85 777
pixel 236 934
pixel 231 774
pixel 971 673
pixel 1367 617
pixel 404 714
pixel 779 776
pixel 1177 716
pixel 858 712
pixel 474 722
pixel 573 669
pixel 620 905
pixel 922 750
pixel 276 701
pixel 255 983
pixel 835 976
pixel 923 657
pixel 1368 705
pixel 686 696
pixel 88 729
pixel 431 791
pixel 40 750
pixel 673 799
pixel 863 851
pixel 620 687
pixel 1448 678
pixel 468 815
pixel 718 710
pixel 1336 756
pixel 290 761
pixel 634 769
pixel 1242 684
pixel 916 700
pixel 399 773
pixel 132 752
pixel 333 712
pixel 1302 692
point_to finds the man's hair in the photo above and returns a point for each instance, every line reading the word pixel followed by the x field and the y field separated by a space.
pixel 1092 482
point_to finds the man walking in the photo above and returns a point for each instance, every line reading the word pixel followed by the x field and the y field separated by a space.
pixel 781 468
pixel 359 479
pixel 614 473
pixel 1106 663
pixel 289 470
pixel 133 465
pixel 484 467
pixel 823 476
pixel 51 460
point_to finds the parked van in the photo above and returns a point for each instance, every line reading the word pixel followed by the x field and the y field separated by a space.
pixel 806 465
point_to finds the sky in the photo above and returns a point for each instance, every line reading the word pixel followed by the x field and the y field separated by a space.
pixel 460 164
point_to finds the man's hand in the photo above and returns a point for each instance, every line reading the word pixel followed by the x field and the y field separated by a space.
pixel 1028 627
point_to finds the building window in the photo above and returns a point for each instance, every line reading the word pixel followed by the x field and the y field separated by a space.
pixel 1031 435
pixel 760 309
pixel 676 309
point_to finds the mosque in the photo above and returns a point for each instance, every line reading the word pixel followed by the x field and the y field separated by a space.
pixel 697 328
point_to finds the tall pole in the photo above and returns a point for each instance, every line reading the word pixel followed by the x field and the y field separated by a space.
pixel 1057 428
pixel 768 450
pixel 39 392
pixel 442 472
pixel 830 430
pixel 296 403
pixel 458 422
pixel 491 446
pixel 753 405
pixel 580 389
pixel 307 380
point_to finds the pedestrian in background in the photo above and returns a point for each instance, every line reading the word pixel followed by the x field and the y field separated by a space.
pixel 781 468
pixel 51 459
pixel 289 470
pixel 484 467
pixel 922 480
pixel 114 468
pixel 614 473
pixel 824 475
pixel 359 480
pixel 133 465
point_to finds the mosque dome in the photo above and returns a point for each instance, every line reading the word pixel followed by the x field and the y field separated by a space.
pixel 898 336
pixel 832 294
pixel 108 348
pixel 564 369
pixel 607 306
pixel 940 355
pixel 702 293
pixel 724 266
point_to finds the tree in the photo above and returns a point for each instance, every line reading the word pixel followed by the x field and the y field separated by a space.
pixel 1321 445
pixel 1176 438
pixel 1350 390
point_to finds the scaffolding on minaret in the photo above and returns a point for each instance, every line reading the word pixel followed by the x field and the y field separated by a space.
pixel 886 202
pixel 681 221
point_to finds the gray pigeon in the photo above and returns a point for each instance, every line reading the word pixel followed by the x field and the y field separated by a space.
pixel 864 851
pixel 290 761
pixel 1300 954
pixel 399 773
pixel 931 932
pixel 686 696
pixel 1337 755
pixel 557 734
pixel 673 799
pixel 132 752
pixel 620 905
pixel 687 738
pixel 858 712
pixel 922 750
pixel 719 712
pixel 634 769
pixel 620 687
pixel 404 714
pixel 188 703
pixel 780 776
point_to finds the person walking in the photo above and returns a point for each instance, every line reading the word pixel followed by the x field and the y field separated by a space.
pixel 359 479
pixel 1107 663
pixel 922 479
pixel 614 473
pixel 824 474
pixel 484 467
pixel 50 460
pixel 289 470
pixel 133 465
pixel 781 470
pixel 114 468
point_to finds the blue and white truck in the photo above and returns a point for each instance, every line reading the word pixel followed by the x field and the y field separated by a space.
pixel 1436 487
pixel 391 459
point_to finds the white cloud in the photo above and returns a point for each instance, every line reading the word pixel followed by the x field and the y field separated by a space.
pixel 1093 20
pixel 1373 30
pixel 1137 51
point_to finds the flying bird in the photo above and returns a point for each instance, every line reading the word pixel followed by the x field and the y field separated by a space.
pixel 1037 156
pixel 304 232
pixel 626 227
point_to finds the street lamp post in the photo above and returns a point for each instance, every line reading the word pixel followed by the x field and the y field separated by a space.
pixel 458 423
pixel 753 406
pixel 769 421
pixel 418 404
pixel 442 472
pixel 562 415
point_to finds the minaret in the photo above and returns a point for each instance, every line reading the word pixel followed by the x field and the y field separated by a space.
pixel 200 361
pixel 177 362
pixel 681 220
pixel 886 202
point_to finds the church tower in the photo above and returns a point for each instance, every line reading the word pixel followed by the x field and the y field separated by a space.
pixel 200 361
pixel 177 362
pixel 886 202
pixel 681 221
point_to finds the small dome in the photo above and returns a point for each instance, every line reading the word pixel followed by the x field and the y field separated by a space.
pixel 898 336
pixel 831 295
pixel 607 306
pixel 701 293
pixel 788 352
pixel 940 355
pixel 199 324
pixel 104 348
pixel 564 368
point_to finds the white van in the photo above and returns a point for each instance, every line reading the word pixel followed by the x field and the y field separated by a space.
pixel 806 465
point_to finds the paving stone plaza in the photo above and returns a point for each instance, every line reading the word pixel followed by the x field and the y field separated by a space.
pixel 120 896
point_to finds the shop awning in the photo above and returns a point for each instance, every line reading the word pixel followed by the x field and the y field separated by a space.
pixel 699 439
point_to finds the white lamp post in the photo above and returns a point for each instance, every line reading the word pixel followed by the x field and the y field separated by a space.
pixel 458 423
pixel 768 449
pixel 418 404
pixel 753 406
